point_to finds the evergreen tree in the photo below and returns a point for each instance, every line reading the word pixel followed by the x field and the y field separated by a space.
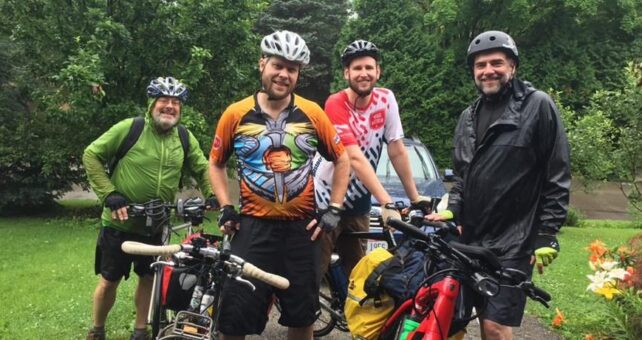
pixel 319 23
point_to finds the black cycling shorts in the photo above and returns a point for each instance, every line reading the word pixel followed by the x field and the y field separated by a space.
pixel 283 248
pixel 112 263
pixel 507 308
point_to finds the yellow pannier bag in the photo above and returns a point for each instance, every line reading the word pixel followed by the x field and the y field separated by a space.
pixel 367 306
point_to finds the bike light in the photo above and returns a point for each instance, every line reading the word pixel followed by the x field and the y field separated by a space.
pixel 485 285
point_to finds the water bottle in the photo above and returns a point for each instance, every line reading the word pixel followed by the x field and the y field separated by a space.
pixel 206 301
pixel 338 276
pixel 409 326
pixel 197 296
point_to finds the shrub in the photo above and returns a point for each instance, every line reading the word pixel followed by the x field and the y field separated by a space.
pixel 574 218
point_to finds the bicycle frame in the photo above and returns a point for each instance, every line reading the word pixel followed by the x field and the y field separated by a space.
pixel 436 302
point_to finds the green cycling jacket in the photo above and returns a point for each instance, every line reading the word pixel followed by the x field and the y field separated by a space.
pixel 151 169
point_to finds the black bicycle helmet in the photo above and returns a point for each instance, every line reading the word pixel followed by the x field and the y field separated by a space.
pixel 492 40
pixel 359 48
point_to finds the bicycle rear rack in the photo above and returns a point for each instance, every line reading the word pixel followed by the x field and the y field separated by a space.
pixel 188 326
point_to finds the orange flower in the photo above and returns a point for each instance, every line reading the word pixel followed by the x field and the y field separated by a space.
pixel 597 248
pixel 559 319
pixel 589 337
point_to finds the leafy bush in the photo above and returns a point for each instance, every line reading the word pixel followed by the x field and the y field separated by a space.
pixel 574 218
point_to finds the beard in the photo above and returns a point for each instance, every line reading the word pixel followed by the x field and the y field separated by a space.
pixel 354 86
pixel 496 88
pixel 268 87
pixel 164 124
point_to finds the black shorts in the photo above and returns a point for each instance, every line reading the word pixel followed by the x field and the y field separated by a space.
pixel 112 263
pixel 283 248
pixel 507 308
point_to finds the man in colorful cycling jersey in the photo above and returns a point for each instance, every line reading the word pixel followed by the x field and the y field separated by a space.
pixel 151 169
pixel 366 117
pixel 512 164
pixel 274 135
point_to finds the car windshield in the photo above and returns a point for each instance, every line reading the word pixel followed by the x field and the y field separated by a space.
pixel 420 163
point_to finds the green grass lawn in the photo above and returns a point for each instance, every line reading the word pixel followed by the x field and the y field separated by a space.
pixel 47 280
pixel 566 281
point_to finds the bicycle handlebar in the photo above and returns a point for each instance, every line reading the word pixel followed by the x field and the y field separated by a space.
pixel 489 266
pixel 248 269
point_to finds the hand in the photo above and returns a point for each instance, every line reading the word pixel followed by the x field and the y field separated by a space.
pixel 329 218
pixel 229 221
pixel 546 250
pixel 445 215
pixel 389 211
pixel 211 203
pixel 326 221
pixel 117 203
pixel 422 202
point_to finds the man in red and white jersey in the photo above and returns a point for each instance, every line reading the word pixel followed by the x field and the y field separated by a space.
pixel 366 117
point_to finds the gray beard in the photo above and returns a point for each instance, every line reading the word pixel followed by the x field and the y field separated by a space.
pixel 163 126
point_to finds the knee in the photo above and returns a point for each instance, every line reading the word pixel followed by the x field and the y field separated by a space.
pixel 494 331
pixel 105 285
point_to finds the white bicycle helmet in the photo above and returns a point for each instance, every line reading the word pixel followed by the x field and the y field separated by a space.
pixel 287 45
pixel 167 86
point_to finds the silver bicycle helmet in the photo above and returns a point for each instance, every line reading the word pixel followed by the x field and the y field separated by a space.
pixel 167 86
pixel 287 45
pixel 492 40
pixel 359 48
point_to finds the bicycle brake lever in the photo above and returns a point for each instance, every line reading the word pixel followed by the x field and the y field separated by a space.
pixel 245 282
pixel 164 263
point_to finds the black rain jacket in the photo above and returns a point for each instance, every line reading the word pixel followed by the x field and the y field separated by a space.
pixel 515 183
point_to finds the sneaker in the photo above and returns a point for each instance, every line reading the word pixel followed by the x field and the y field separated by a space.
pixel 140 336
pixel 94 335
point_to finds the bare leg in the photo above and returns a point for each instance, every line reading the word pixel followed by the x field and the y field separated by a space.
pixel 104 298
pixel 141 299
pixel 301 333
pixel 491 330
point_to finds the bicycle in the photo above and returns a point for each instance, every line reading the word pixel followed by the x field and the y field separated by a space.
pixel 334 284
pixel 157 215
pixel 449 266
pixel 214 266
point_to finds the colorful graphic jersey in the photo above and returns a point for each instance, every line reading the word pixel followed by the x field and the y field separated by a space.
pixel 275 156
pixel 368 127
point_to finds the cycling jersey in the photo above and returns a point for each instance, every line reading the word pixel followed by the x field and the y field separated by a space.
pixel 275 156
pixel 151 169
pixel 368 128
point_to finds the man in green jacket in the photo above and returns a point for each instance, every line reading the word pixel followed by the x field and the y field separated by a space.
pixel 151 169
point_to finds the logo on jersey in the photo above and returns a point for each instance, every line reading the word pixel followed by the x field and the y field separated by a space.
pixel 377 119
pixel 217 142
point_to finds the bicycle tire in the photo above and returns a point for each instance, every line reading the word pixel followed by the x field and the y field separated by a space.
pixel 325 323
pixel 159 313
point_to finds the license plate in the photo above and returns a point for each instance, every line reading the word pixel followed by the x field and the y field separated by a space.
pixel 373 244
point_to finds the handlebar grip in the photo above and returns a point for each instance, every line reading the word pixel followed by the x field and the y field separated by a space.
pixel 137 248
pixel 277 281
pixel 408 229
pixel 542 294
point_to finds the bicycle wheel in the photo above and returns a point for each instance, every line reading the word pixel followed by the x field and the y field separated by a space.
pixel 159 315
pixel 327 302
